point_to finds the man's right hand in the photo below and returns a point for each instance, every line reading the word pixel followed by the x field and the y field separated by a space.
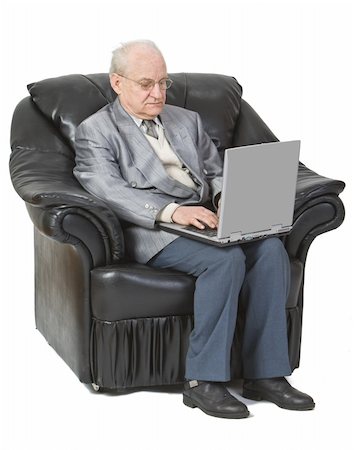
pixel 197 216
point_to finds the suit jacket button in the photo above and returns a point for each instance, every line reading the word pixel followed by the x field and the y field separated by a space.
pixel 133 184
pixel 147 205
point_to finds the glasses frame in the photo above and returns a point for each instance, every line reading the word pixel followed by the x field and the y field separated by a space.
pixel 165 80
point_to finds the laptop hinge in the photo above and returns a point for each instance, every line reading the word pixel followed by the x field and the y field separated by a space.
pixel 279 228
pixel 236 236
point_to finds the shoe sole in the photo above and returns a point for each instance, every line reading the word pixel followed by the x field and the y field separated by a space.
pixel 257 397
pixel 192 404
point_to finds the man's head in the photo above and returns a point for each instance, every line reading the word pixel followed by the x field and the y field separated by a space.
pixel 135 65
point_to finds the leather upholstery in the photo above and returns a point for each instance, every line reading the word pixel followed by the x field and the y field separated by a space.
pixel 134 291
pixel 115 322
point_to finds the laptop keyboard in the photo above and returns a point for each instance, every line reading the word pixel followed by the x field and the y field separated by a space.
pixel 210 232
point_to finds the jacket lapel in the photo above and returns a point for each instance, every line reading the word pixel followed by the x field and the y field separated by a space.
pixel 181 142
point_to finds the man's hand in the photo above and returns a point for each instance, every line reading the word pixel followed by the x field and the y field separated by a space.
pixel 197 216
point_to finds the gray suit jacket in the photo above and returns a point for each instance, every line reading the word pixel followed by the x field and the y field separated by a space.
pixel 115 162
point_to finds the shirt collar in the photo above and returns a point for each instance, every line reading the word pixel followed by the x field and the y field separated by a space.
pixel 139 121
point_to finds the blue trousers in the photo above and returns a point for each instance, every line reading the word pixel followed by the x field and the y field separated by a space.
pixel 259 274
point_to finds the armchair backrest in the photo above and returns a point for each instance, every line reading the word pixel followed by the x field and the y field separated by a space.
pixel 66 101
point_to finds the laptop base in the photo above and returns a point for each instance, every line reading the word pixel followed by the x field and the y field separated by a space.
pixel 225 242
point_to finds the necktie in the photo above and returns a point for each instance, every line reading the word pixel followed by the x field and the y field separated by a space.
pixel 150 128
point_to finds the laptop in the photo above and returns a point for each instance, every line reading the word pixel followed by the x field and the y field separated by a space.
pixel 258 195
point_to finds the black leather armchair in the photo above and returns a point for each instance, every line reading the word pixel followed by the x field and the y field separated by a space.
pixel 117 323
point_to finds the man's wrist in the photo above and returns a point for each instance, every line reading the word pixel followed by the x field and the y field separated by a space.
pixel 165 215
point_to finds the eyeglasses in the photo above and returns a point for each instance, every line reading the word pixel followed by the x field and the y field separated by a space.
pixel 147 84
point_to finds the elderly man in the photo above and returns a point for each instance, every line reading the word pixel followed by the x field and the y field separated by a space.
pixel 153 162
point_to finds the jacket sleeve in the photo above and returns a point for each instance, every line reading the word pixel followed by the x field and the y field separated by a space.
pixel 97 169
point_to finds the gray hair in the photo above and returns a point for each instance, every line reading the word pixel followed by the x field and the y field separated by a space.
pixel 120 55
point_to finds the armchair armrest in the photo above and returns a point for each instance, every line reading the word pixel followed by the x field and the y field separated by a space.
pixel 318 209
pixel 311 185
pixel 60 208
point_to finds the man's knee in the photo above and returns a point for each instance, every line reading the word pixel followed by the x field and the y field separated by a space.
pixel 270 250
pixel 272 246
pixel 273 250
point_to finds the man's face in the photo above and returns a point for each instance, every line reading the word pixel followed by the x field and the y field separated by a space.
pixel 143 64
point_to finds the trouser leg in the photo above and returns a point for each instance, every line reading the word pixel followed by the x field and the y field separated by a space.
pixel 262 270
pixel 220 274
pixel 264 294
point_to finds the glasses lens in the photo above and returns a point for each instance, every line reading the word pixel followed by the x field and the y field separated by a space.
pixel 166 84
pixel 147 84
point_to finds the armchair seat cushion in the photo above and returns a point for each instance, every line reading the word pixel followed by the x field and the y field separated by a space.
pixel 132 290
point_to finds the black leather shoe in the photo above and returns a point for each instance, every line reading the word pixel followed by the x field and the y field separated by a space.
pixel 213 399
pixel 278 391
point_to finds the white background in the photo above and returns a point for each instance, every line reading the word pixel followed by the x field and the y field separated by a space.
pixel 295 62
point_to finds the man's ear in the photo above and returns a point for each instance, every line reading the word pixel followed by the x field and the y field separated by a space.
pixel 115 81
